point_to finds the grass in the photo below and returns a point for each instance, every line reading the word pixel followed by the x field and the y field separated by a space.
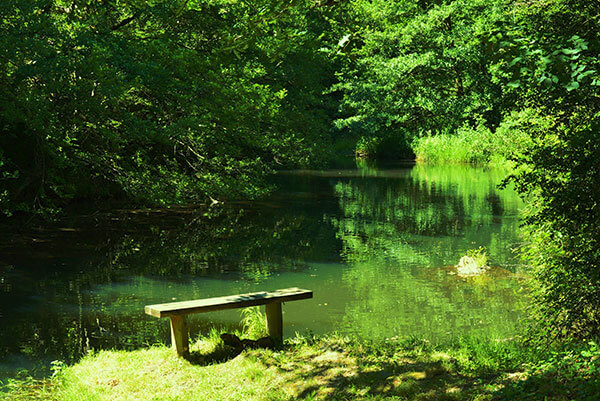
pixel 479 146
pixel 327 368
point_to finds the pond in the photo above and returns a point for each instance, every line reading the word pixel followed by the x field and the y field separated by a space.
pixel 376 245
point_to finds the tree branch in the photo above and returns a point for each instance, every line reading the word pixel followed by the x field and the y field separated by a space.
pixel 123 22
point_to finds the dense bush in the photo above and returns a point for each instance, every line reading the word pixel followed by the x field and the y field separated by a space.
pixel 561 174
pixel 556 51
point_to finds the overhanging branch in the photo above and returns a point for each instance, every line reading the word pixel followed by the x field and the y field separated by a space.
pixel 123 22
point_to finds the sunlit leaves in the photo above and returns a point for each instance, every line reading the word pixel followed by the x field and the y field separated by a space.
pixel 419 69
pixel 559 173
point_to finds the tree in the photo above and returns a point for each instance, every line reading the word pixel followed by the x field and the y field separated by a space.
pixel 418 68
pixel 155 102
pixel 551 63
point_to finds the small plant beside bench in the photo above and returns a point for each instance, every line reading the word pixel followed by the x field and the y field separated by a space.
pixel 178 311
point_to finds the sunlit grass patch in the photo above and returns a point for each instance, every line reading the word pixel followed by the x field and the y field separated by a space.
pixel 310 368
pixel 156 374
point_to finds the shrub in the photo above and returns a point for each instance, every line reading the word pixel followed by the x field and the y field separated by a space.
pixel 561 176
pixel 390 146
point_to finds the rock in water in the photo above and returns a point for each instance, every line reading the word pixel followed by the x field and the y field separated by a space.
pixel 468 266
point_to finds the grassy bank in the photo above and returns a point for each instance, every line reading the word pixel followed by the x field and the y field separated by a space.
pixel 477 145
pixel 330 368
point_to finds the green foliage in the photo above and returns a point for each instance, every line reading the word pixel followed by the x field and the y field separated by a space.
pixel 559 172
pixel 560 175
pixel 156 102
pixel 416 68
pixel 578 367
pixel 548 51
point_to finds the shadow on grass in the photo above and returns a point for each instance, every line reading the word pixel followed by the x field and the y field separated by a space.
pixel 550 386
pixel 219 354
pixel 220 351
pixel 330 371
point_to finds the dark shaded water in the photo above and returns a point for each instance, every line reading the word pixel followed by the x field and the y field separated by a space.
pixel 375 245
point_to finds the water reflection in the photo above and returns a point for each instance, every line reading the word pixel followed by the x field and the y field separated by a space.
pixel 375 246
pixel 399 232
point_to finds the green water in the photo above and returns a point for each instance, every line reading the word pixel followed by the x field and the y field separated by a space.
pixel 376 245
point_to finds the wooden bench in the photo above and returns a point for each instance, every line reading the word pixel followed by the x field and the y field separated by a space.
pixel 177 312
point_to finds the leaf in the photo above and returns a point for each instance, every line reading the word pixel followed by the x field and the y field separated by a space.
pixel 572 86
pixel 344 40
pixel 515 61
pixel 514 84
pixel 585 74
pixel 570 52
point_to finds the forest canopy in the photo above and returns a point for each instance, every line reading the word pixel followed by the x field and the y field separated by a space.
pixel 157 102
pixel 180 101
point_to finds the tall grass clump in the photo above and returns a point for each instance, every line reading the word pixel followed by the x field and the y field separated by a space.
pixel 254 322
pixel 475 145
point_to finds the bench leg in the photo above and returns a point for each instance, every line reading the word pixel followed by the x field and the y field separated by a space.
pixel 274 320
pixel 179 335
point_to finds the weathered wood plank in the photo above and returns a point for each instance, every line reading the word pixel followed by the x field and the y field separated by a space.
pixel 274 320
pixel 228 302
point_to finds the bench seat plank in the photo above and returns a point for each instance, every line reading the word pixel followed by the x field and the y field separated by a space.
pixel 228 302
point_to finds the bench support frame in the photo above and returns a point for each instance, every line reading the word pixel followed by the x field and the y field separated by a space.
pixel 274 321
pixel 179 335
